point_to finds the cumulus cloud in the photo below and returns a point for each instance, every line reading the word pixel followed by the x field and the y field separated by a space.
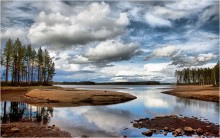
pixel 167 51
pixel 197 60
pixel 155 21
pixel 14 33
pixel 180 57
pixel 107 52
pixel 93 23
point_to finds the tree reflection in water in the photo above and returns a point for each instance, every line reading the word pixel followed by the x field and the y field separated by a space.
pixel 20 111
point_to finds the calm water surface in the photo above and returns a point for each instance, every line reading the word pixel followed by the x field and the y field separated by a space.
pixel 111 120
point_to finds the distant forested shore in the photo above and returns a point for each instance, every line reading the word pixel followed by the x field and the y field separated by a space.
pixel 110 83
pixel 22 65
pixel 198 76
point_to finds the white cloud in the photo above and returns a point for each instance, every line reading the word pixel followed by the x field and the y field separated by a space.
pixel 205 57
pixel 14 33
pixel 93 23
pixel 168 51
pixel 156 21
pixel 155 103
pixel 107 52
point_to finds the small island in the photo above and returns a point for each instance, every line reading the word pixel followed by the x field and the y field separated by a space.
pixel 75 97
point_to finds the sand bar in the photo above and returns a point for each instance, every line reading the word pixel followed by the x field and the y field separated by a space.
pixel 75 97
pixel 204 92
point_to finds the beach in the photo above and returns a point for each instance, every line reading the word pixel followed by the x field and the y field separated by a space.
pixel 199 92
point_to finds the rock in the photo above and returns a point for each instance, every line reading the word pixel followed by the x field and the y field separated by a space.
pixel 199 131
pixel 125 128
pixel 142 119
pixel 4 135
pixel 159 116
pixel 148 133
pixel 166 129
pixel 137 125
pixel 165 133
pixel 15 130
pixel 188 129
pixel 172 129
pixel 84 136
pixel 208 126
pixel 174 133
pixel 55 128
pixel 178 131
pixel 27 127
pixel 124 136
pixel 173 116
pixel 206 133
pixel 153 130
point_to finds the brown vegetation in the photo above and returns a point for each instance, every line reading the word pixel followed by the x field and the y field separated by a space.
pixel 204 92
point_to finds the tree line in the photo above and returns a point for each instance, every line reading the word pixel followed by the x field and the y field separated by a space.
pixel 23 65
pixel 110 83
pixel 200 76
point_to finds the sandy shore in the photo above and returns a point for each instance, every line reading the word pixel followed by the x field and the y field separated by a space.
pixel 74 97
pixel 205 93
pixel 16 94
pixel 31 129
pixel 52 96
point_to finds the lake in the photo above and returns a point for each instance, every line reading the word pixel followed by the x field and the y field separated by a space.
pixel 114 120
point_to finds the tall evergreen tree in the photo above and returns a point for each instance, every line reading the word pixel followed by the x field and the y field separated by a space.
pixel 7 57
pixel 27 66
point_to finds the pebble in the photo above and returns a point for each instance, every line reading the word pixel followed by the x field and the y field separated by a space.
pixel 4 135
pixel 188 129
pixel 199 131
pixel 15 130
pixel 165 133
pixel 206 133
pixel 166 129
pixel 148 133
pixel 153 130
pixel 178 131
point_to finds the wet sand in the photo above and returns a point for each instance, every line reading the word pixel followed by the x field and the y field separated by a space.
pixel 75 97
pixel 205 92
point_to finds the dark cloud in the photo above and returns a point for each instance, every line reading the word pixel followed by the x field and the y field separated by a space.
pixel 107 52
pixel 70 73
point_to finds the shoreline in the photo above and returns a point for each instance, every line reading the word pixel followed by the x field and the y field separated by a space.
pixel 178 125
pixel 75 97
pixel 31 129
pixel 198 92
pixel 54 96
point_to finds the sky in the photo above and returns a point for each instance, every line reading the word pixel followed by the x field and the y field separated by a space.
pixel 107 41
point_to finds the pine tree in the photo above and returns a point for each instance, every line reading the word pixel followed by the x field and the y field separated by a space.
pixel 7 58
